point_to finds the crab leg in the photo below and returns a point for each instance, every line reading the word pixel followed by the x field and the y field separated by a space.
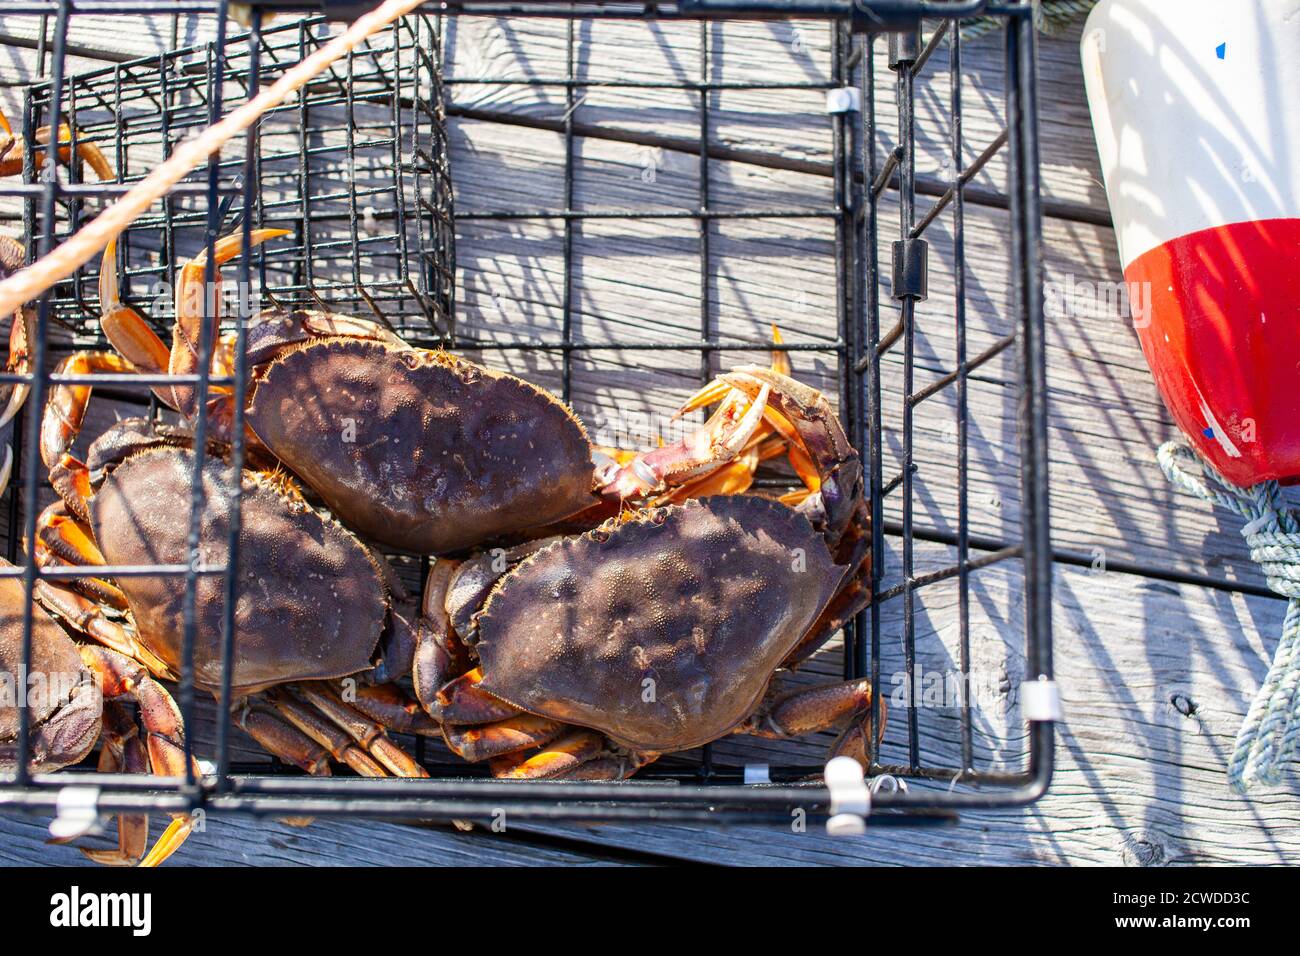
pixel 122 751
pixel 12 151
pixel 578 755
pixel 332 738
pixel 98 590
pixel 61 423
pixel 716 390
pixel 824 707
pixel 120 677
pixel 562 756
pixel 391 706
pixel 284 741
pixel 511 735
pixel 368 733
pixel 733 478
pixel 190 304
pixel 607 768
pixel 63 540
pixel 88 618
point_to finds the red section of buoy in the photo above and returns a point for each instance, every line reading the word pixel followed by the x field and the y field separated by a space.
pixel 1222 337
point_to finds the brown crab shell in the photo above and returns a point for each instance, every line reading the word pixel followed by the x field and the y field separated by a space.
pixel 56 660
pixel 311 602
pixel 420 450
pixel 664 633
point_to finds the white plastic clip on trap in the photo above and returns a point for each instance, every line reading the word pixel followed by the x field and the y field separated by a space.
pixel 850 797
pixel 76 813
pixel 1040 699
pixel 757 773
pixel 844 99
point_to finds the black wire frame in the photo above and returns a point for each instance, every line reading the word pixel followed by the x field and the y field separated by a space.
pixel 861 177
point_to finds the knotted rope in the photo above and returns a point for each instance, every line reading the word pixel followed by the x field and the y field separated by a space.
pixel 1268 735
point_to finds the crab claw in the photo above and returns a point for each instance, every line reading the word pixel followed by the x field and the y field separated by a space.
pixel 716 390
pixel 126 329
pixel 190 309
pixel 717 442
pixel 814 421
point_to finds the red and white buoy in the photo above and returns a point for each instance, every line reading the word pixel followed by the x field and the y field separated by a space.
pixel 1196 108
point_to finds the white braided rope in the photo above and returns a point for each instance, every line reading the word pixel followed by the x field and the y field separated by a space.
pixel 1269 733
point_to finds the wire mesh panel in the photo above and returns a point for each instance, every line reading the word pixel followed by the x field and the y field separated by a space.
pixel 583 280
pixel 356 167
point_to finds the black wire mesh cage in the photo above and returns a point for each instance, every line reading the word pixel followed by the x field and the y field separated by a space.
pixel 357 167
pixel 366 239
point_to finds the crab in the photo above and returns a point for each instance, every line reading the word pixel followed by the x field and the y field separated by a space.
pixel 313 601
pixel 74 693
pixel 661 629
pixel 414 449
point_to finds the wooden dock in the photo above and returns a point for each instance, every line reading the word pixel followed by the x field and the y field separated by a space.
pixel 1163 626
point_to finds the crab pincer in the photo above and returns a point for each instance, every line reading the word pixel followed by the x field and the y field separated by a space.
pixel 727 432
pixel 838 464
pixel 12 150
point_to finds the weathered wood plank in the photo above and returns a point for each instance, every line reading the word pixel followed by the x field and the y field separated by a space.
pixel 783 123
pixel 242 841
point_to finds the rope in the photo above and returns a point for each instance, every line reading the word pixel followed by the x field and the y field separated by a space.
pixel 1268 735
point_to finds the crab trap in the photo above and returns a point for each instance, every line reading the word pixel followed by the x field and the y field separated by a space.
pixel 642 191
